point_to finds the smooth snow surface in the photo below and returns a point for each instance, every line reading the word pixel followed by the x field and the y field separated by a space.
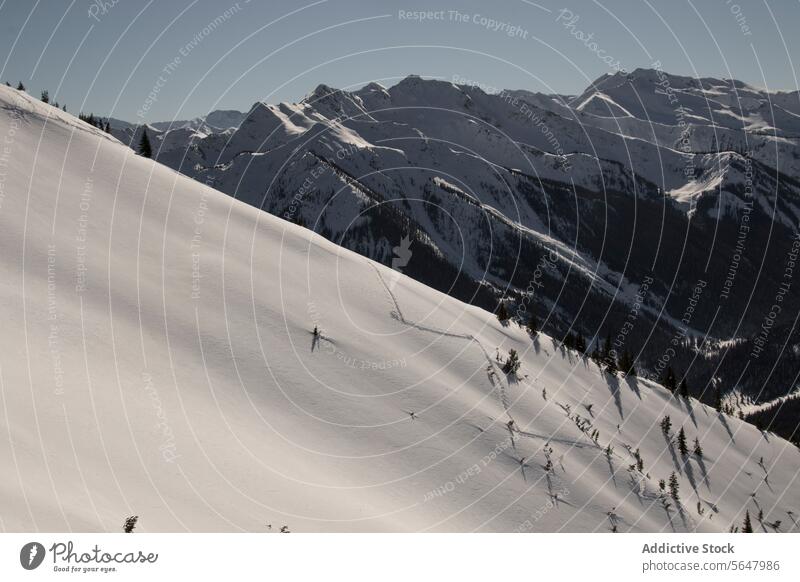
pixel 158 359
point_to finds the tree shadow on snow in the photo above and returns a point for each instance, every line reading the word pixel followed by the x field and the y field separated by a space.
pixel 612 471
pixel 687 465
pixel 689 409
pixel 669 517
pixel 675 461
pixel 682 513
pixel 725 424
pixel 613 385
pixel 702 462
pixel 633 384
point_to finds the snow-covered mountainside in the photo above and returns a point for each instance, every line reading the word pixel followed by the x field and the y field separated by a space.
pixel 158 359
pixel 647 184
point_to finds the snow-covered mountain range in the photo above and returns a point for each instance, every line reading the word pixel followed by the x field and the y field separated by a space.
pixel 647 184
pixel 159 359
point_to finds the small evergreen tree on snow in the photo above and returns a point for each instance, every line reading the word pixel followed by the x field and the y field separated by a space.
pixel 666 425
pixel 502 312
pixel 597 354
pixel 130 524
pixel 45 96
pixel 639 461
pixel 147 151
pixel 683 390
pixel 674 487
pixel 748 526
pixel 20 86
pixel 512 363
pixel 662 485
pixel 682 448
pixel 626 364
pixel 605 351
pixel 580 342
pixel 532 326
pixel 669 380
pixel 698 450
pixel 611 363
pixel 718 398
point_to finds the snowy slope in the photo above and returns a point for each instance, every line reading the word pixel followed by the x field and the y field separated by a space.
pixel 157 359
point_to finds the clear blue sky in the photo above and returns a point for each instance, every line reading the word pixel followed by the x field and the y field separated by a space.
pixel 106 56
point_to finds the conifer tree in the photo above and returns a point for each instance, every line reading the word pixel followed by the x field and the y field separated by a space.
pixel 580 342
pixel 666 425
pixel 669 380
pixel 606 351
pixel 718 398
pixel 639 461
pixel 502 312
pixel 674 487
pixel 533 326
pixel 611 363
pixel 682 448
pixel 20 86
pixel 146 151
pixel 45 96
pixel 512 363
pixel 625 363
pixel 683 390
pixel 632 367
pixel 747 527
pixel 698 450
pixel 130 524
pixel 597 353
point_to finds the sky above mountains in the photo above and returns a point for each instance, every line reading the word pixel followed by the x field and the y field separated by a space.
pixel 143 61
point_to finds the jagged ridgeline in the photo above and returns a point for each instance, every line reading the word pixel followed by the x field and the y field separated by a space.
pixel 176 360
pixel 655 209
